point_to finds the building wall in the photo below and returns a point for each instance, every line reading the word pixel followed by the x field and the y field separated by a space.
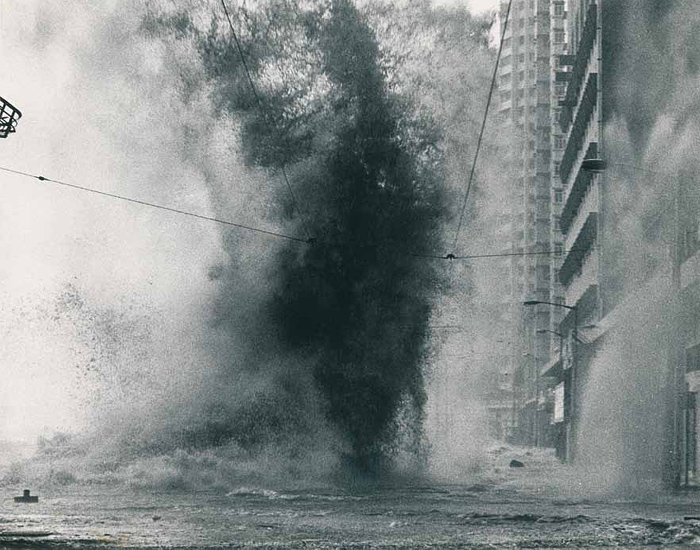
pixel 525 108
pixel 630 232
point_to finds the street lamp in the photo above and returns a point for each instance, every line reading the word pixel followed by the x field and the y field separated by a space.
pixel 594 165
pixel 597 165
pixel 572 395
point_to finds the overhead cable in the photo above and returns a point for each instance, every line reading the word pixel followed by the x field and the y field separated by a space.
pixel 263 113
pixel 158 206
pixel 498 255
pixel 483 127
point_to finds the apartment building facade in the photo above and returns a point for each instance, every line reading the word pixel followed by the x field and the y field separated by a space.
pixel 629 352
pixel 534 38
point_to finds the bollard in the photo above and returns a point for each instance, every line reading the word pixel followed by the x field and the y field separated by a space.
pixel 27 497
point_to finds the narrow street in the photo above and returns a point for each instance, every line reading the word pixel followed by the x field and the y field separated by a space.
pixel 530 507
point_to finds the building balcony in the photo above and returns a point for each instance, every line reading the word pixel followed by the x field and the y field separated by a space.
pixel 578 190
pixel 585 279
pixel 584 54
pixel 583 132
pixel 586 206
pixel 576 254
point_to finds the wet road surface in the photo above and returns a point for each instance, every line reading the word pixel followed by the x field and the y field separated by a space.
pixel 516 510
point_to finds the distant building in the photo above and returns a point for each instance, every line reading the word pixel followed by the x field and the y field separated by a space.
pixel 534 40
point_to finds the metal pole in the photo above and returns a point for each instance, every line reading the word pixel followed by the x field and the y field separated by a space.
pixel 537 390
pixel 572 400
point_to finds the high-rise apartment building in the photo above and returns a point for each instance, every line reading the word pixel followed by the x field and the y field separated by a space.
pixel 533 43
pixel 627 377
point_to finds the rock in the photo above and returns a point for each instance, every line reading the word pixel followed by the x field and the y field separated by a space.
pixel 516 464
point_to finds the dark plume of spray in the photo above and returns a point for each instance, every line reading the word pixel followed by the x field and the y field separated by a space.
pixel 342 329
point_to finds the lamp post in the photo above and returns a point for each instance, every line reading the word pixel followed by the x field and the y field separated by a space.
pixel 572 393
pixel 535 418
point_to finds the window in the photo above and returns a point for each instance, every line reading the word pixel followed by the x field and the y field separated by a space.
pixel 521 58
pixel 558 142
pixel 558 249
pixel 558 195
pixel 521 76
pixel 558 10
pixel 521 40
pixel 559 37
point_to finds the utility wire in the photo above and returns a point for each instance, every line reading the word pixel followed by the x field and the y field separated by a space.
pixel 158 206
pixel 499 255
pixel 264 231
pixel 483 127
pixel 261 107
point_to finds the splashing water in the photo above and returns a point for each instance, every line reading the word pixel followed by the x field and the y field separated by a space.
pixel 293 358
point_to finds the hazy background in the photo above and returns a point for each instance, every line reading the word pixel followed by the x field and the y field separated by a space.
pixel 118 266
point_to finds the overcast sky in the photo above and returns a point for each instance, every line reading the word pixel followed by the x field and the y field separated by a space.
pixel 477 6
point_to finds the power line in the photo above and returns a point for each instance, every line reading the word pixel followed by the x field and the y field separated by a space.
pixel 240 53
pixel 263 113
pixel 483 127
pixel 265 231
pixel 158 206
pixel 498 255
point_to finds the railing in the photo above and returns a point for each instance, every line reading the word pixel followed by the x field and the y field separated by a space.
pixel 577 191
pixel 576 254
pixel 582 129
pixel 588 204
pixel 587 277
pixel 578 72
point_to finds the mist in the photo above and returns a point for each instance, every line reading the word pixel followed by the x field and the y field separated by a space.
pixel 162 344
pixel 651 142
